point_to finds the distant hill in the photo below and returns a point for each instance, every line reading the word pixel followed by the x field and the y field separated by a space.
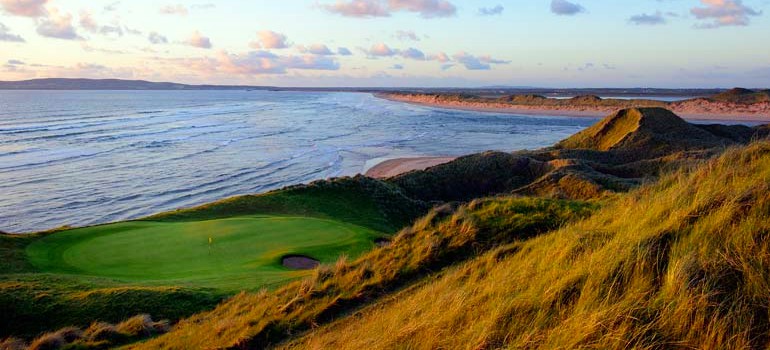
pixel 111 84
pixel 742 96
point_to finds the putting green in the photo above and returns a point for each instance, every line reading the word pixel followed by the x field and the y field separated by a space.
pixel 231 254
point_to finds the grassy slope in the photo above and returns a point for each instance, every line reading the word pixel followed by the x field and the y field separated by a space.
pixel 442 238
pixel 32 302
pixel 358 200
pixel 245 253
pixel 682 263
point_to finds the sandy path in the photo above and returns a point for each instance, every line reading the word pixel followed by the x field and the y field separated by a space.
pixel 393 167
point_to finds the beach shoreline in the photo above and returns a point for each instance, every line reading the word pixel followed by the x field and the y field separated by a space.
pixel 397 166
pixel 687 111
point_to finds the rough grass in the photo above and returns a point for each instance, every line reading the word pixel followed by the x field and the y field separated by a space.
pixel 468 177
pixel 34 303
pixel 683 263
pixel 442 238
pixel 99 335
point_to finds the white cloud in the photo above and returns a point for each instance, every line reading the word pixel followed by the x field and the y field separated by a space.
pixel 6 35
pixel 178 9
pixel 724 13
pixel 57 25
pixel 385 8
pixel 199 40
pixel 268 39
pixel 25 8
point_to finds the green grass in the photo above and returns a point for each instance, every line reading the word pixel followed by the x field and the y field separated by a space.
pixel 163 266
pixel 245 252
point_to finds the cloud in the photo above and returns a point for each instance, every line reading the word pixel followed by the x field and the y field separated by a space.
pixel 25 8
pixel 344 51
pixel 206 6
pixel 381 50
pixel 6 35
pixel 199 40
pixel 260 62
pixel 724 13
pixel 472 62
pixel 316 49
pixel 397 66
pixel 491 11
pixel 113 6
pixel 88 23
pixel 440 57
pixel 178 9
pixel 385 8
pixel 89 48
pixel 649 20
pixel 156 38
pixel 358 8
pixel 407 35
pixel 426 8
pixel 269 39
pixel 566 8
pixel 412 53
pixel 57 25
pixel 15 62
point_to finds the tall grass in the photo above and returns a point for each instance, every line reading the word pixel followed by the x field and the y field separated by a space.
pixel 683 263
pixel 444 237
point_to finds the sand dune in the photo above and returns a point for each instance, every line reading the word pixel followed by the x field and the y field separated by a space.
pixel 716 108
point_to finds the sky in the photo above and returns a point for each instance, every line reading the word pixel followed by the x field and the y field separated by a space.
pixel 391 43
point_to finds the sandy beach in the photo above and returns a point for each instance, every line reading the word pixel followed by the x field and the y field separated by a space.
pixel 692 110
pixel 393 167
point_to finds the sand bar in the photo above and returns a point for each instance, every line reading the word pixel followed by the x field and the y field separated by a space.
pixel 393 167
pixel 692 110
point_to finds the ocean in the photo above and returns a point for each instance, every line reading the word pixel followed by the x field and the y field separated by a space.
pixel 81 158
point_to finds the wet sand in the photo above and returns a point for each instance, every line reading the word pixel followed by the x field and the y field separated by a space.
pixel 393 167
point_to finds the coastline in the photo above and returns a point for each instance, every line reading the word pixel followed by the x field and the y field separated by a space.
pixel 685 111
pixel 397 166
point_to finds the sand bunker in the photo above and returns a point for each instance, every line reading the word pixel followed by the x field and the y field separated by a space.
pixel 299 262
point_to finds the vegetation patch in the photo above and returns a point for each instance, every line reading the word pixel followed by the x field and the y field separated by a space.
pixel 228 254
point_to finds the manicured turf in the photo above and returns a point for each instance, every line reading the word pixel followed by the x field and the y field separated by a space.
pixel 244 252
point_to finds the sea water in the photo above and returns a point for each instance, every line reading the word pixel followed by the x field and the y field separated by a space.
pixel 87 157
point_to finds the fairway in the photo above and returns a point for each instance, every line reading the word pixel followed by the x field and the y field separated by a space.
pixel 229 254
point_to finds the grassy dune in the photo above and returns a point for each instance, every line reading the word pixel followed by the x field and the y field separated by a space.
pixel 679 264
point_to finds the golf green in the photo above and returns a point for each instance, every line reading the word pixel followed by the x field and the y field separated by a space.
pixel 240 253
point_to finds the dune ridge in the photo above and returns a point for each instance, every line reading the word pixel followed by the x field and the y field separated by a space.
pixel 736 104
